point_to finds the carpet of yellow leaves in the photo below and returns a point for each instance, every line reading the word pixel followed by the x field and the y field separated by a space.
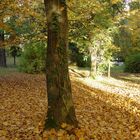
pixel 101 115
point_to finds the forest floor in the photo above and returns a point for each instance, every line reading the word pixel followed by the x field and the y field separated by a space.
pixel 103 114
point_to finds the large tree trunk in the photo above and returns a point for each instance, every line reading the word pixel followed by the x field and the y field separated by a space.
pixel 2 52
pixel 60 103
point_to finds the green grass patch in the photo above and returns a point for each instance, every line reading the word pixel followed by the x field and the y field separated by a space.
pixel 10 61
pixel 11 68
pixel 117 69
pixel 7 70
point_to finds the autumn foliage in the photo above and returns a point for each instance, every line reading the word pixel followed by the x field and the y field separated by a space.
pixel 101 115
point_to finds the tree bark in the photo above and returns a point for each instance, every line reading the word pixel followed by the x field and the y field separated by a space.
pixel 109 67
pixel 14 60
pixel 60 104
pixel 93 67
pixel 2 52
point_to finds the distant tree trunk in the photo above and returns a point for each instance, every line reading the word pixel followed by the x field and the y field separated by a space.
pixel 14 52
pixel 2 52
pixel 93 67
pixel 60 103
pixel 14 60
pixel 108 69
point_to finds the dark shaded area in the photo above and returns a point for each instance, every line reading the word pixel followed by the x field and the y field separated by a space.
pixel 2 51
pixel 80 58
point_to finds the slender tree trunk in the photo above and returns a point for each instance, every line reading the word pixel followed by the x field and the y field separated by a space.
pixel 93 67
pixel 14 60
pixel 93 70
pixel 108 69
pixel 2 51
pixel 60 103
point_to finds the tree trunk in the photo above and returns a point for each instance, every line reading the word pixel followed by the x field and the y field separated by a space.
pixel 14 60
pixel 2 52
pixel 93 67
pixel 60 103
pixel 108 73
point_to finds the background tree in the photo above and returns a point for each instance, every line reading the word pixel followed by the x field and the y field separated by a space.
pixel 15 51
pixel 32 59
pixel 2 50
pixel 92 26
pixel 23 21
pixel 127 39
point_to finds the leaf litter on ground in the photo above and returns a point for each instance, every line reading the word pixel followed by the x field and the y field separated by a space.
pixel 101 115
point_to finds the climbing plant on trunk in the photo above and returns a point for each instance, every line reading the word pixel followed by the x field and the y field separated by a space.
pixel 60 104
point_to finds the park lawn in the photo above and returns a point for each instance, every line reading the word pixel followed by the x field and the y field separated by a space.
pixel 6 71
pixel 117 69
pixel 101 115
pixel 11 68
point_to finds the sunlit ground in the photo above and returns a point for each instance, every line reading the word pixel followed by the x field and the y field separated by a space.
pixel 126 84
